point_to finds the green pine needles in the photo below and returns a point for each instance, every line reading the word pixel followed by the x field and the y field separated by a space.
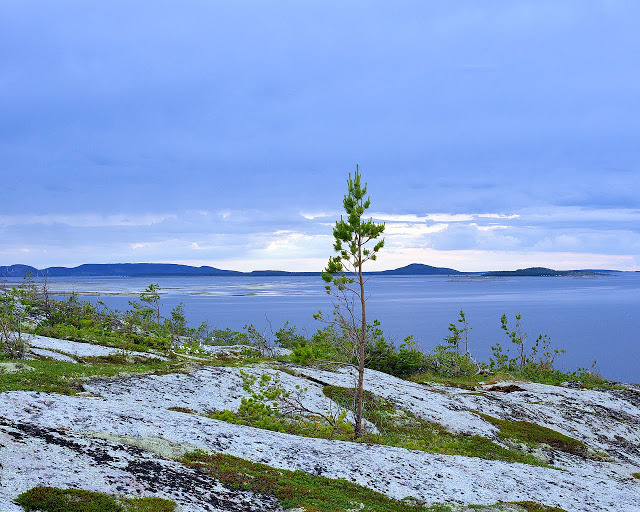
pixel 353 238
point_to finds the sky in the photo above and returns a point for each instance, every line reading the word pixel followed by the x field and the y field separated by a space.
pixel 492 135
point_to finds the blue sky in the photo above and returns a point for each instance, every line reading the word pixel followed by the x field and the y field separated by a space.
pixel 493 135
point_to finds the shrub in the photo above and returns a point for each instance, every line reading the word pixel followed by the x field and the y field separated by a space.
pixel 53 499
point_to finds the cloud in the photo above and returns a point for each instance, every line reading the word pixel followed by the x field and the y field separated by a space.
pixel 320 215
pixel 577 214
pixel 486 260
pixel 496 216
pixel 439 217
pixel 86 220
pixel 291 244
pixel 405 229
pixel 491 227
pixel 140 245
pixel 240 235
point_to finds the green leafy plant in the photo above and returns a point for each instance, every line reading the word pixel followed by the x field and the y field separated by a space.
pixel 13 341
pixel 459 333
pixel 271 407
pixel 151 296
pixel 537 362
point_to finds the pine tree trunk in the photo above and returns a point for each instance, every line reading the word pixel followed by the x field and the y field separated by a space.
pixel 361 350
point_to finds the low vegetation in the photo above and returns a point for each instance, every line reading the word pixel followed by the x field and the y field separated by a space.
pixel 317 493
pixel 269 406
pixel 31 309
pixel 299 489
pixel 533 434
pixel 532 506
pixel 66 378
pixel 53 499
pixel 398 427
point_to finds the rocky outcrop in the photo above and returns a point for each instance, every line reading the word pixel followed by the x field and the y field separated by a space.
pixel 120 437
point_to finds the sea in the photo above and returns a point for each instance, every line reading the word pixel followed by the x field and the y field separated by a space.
pixel 595 319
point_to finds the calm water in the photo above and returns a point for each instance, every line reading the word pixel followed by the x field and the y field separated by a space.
pixel 592 318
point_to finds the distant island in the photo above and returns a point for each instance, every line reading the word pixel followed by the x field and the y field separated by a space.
pixel 175 270
pixel 543 272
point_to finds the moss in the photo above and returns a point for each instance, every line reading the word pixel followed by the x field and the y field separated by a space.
pixel 636 475
pixel 66 378
pixel 296 488
pixel 53 499
pixel 550 377
pixel 148 504
pixel 181 409
pixel 532 506
pixel 401 428
pixel 464 382
pixel 533 434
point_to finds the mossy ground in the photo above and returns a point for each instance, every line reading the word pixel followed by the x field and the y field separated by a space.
pixel 313 493
pixel 396 427
pixel 533 434
pixel 66 378
pixel 532 506
pixel 551 377
pixel 299 489
pixel 53 499
pixel 400 428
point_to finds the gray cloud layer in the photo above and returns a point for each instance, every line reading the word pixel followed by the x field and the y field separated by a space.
pixel 149 110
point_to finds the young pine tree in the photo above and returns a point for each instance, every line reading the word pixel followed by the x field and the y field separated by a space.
pixel 344 274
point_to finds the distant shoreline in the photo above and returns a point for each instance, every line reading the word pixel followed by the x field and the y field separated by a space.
pixel 174 270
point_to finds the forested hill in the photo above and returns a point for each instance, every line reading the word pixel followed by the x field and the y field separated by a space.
pixel 542 272
pixel 170 269
pixel 116 269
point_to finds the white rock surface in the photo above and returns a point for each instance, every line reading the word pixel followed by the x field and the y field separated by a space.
pixel 236 349
pixel 79 349
pixel 86 442
pixel 52 354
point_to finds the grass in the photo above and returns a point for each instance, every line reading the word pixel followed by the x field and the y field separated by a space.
pixel 53 499
pixel 468 382
pixel 314 493
pixel 185 410
pixel 400 428
pixel 96 336
pixel 66 378
pixel 532 506
pixel 588 379
pixel 533 434
pixel 298 489
pixel 636 475
pixel 396 427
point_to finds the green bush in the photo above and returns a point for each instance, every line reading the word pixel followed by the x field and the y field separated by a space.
pixel 402 362
pixel 53 499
